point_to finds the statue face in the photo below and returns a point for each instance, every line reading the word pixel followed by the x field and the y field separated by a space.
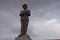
pixel 25 6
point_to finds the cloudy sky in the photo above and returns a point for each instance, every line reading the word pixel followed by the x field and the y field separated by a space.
pixel 44 21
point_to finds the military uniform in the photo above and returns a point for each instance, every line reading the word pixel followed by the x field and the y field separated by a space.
pixel 24 21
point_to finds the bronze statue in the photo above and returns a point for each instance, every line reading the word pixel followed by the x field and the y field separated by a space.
pixel 25 13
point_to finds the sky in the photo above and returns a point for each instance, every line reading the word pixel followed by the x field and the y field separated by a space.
pixel 44 20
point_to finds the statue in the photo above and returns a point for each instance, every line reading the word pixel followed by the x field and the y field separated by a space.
pixel 24 14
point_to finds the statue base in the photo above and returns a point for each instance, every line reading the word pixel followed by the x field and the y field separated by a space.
pixel 25 37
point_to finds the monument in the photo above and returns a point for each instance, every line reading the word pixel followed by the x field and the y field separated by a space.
pixel 24 14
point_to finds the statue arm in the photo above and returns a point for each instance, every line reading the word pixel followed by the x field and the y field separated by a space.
pixel 21 13
pixel 29 13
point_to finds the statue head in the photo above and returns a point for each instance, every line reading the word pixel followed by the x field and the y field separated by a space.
pixel 24 6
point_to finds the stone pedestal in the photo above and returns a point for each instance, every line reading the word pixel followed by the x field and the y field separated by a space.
pixel 25 37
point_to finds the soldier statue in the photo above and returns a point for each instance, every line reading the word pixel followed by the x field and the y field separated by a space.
pixel 24 14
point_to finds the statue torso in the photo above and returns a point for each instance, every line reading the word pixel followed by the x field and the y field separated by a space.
pixel 25 15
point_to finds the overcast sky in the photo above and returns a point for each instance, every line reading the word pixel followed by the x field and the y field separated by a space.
pixel 44 20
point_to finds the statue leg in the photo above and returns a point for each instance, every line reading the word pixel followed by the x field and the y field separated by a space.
pixel 22 27
pixel 26 26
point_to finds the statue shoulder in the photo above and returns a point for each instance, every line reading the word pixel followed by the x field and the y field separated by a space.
pixel 28 11
pixel 21 11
